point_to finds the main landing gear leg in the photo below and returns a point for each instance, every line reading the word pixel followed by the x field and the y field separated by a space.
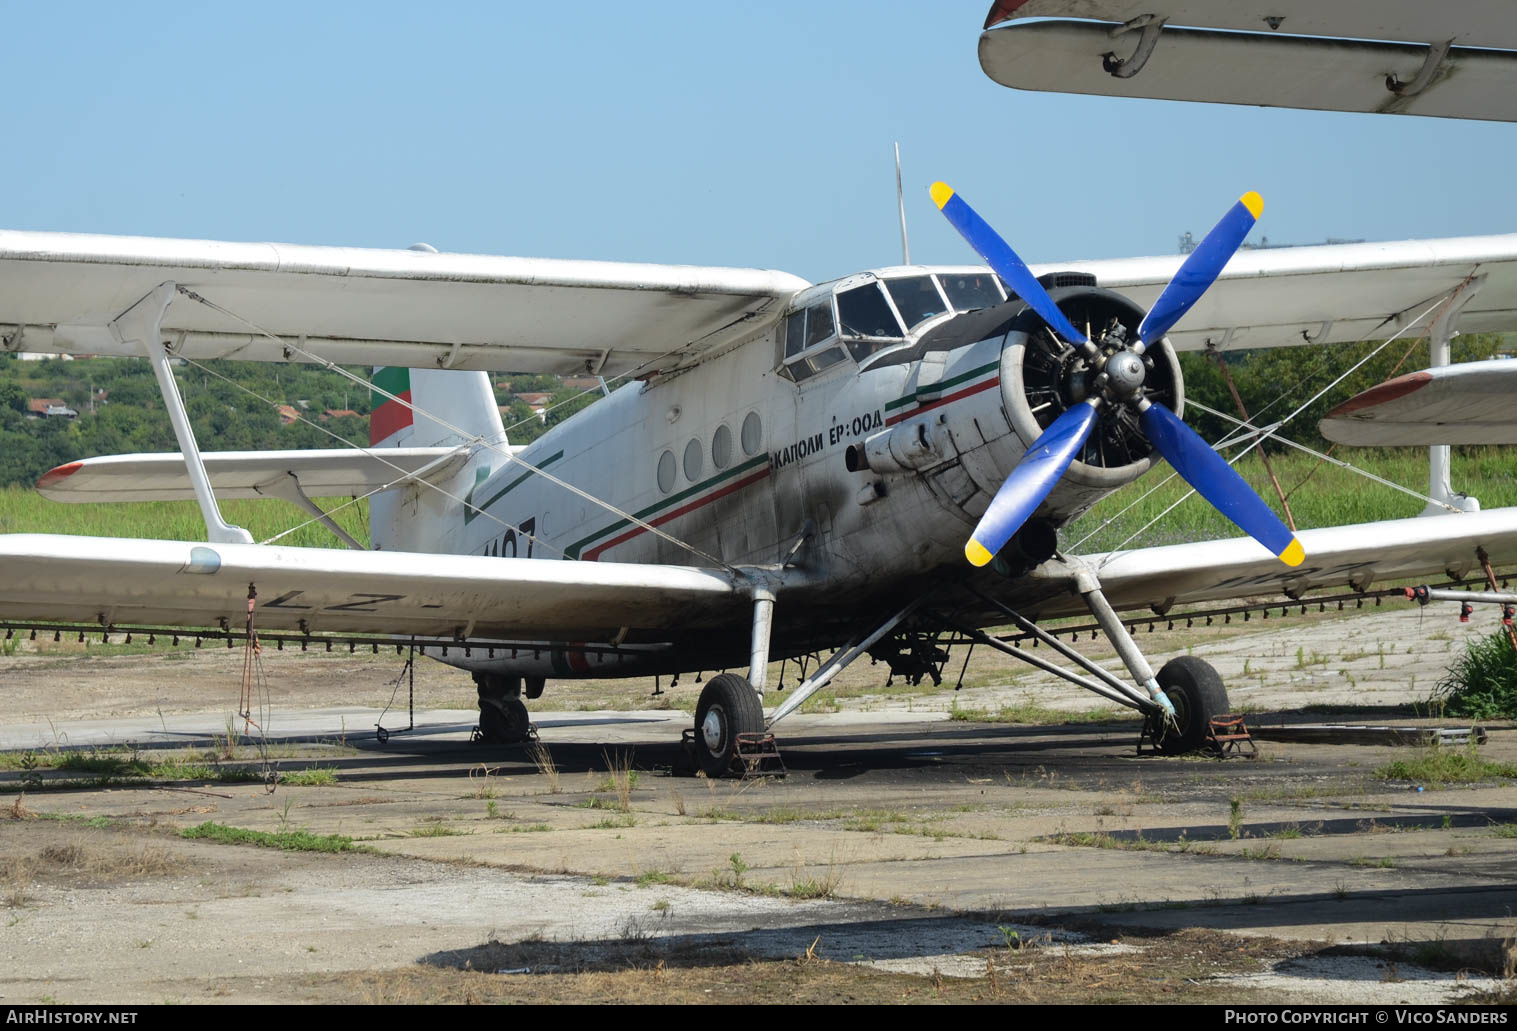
pixel 839 661
pixel 502 716
pixel 1184 695
pixel 730 705
pixel 1178 702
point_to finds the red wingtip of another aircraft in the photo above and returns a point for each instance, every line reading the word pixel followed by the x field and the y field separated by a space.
pixel 62 472
pixel 1001 10
pixel 1387 391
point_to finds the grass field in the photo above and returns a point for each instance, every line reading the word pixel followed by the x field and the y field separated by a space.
pixel 23 510
pixel 1330 496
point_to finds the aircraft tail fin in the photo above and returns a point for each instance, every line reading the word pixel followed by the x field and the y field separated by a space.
pixel 416 517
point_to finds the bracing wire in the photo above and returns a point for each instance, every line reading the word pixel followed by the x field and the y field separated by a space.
pixel 1267 433
pixel 486 444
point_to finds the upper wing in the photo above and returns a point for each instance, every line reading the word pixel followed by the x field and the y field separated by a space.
pixel 1390 56
pixel 382 307
pixel 1470 403
pixel 114 581
pixel 337 472
pixel 1278 297
pixel 59 292
pixel 1356 555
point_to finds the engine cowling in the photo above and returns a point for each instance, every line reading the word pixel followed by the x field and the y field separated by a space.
pixel 1042 377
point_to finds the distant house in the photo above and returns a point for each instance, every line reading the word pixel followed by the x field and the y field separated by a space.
pixel 49 408
pixel 287 415
pixel 339 413
pixel 582 382
pixel 537 402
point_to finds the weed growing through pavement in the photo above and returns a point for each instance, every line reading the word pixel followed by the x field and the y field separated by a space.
pixel 622 779
pixel 482 781
pixel 543 760
pixel 1437 766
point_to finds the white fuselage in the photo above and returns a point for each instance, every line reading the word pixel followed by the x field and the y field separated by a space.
pixel 739 464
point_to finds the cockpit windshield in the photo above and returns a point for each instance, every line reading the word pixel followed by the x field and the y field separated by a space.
pixel 968 291
pixel 864 312
pixel 868 324
pixel 916 298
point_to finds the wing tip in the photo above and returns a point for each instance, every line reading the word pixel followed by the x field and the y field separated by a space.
pixel 1294 554
pixel 57 474
pixel 1253 202
pixel 942 193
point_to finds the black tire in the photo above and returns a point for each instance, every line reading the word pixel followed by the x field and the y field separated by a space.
pixel 1196 692
pixel 503 721
pixel 728 707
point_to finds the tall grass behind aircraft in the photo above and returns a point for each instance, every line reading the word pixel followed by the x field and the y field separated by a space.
pixel 785 468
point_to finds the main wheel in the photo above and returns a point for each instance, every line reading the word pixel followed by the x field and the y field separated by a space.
pixel 1196 692
pixel 503 721
pixel 728 707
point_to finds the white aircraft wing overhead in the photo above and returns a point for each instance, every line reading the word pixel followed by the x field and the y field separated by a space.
pixel 338 472
pixel 381 307
pixel 1338 556
pixel 117 581
pixel 1453 59
pixel 1470 403
pixel 1283 296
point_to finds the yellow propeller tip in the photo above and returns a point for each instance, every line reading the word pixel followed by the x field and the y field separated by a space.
pixel 977 553
pixel 1294 554
pixel 941 194
pixel 1252 201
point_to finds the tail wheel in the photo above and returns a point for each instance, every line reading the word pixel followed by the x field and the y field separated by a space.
pixel 1196 692
pixel 728 707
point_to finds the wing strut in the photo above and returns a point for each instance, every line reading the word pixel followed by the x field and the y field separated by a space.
pixel 1440 487
pixel 287 485
pixel 141 325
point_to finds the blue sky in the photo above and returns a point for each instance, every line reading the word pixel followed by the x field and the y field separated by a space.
pixel 680 132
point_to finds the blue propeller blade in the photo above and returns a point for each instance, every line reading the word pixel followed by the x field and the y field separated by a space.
pixel 1217 482
pixel 1000 257
pixel 1201 268
pixel 1029 483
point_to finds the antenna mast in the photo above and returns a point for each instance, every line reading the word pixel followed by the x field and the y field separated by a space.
pixel 900 199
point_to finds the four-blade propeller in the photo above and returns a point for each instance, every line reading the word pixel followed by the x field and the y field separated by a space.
pixel 1117 374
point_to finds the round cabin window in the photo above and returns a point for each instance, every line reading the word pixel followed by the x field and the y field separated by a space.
pixel 693 461
pixel 753 434
pixel 721 447
pixel 666 471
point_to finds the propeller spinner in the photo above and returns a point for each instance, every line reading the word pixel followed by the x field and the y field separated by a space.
pixel 1118 380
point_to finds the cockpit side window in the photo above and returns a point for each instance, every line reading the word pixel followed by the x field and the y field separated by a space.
pixel 865 313
pixel 807 333
pixel 818 323
pixel 916 298
pixel 969 292
pixel 795 333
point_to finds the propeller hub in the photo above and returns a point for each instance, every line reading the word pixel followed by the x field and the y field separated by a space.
pixel 1125 373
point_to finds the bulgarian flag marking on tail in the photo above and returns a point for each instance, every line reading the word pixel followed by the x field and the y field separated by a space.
pixel 386 417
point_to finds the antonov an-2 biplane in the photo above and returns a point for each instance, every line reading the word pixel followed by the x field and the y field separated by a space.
pixel 785 468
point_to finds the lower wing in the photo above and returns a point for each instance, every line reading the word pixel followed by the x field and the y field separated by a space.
pixel 1355 556
pixel 122 581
